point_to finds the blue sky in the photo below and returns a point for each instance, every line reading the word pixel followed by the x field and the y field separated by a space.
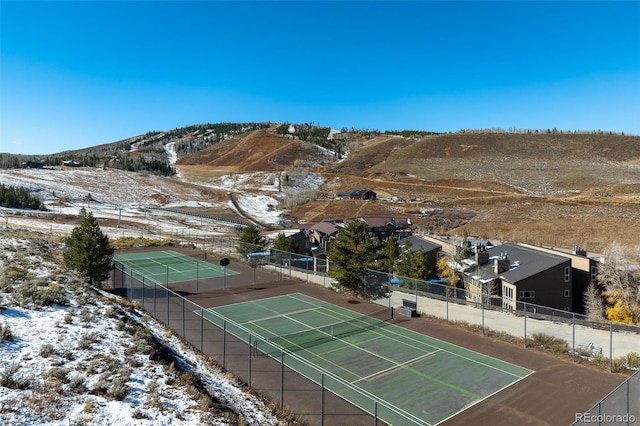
pixel 78 74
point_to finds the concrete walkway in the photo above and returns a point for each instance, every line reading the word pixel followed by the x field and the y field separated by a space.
pixel 613 343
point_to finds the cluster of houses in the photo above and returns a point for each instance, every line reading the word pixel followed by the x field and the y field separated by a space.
pixel 509 272
pixel 39 165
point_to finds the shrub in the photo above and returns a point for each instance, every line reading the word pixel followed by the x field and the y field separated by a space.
pixel 11 275
pixel 28 293
pixel 205 403
pixel 46 350
pixel 137 414
pixel 77 384
pixel 8 379
pixel 101 387
pixel 631 360
pixel 119 388
pixel 88 407
pixel 5 334
pixel 548 343
pixel 85 315
pixel 94 367
pixel 59 373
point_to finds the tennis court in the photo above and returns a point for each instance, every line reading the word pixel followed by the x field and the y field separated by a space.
pixel 166 267
pixel 416 378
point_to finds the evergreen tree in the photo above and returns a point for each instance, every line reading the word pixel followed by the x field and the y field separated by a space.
pixel 419 265
pixel 389 256
pixel 89 251
pixel 284 243
pixel 251 240
pixel 403 267
pixel 354 250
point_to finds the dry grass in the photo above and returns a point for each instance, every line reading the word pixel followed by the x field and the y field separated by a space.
pixel 550 189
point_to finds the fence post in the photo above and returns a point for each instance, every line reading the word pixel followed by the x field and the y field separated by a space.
pixel 610 346
pixel 573 341
pixel 183 333
pixel 224 344
pixel 446 295
pixel 281 379
pixel 202 330
pixel 482 303
pixel 524 307
pixel 322 399
pixel 249 362
pixel 375 412
pixel 628 402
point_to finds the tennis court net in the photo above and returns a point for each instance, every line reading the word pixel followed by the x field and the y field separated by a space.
pixel 151 262
pixel 308 338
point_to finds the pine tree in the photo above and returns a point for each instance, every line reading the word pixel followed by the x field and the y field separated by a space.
pixel 419 265
pixel 89 251
pixel 251 240
pixel 389 256
pixel 354 250
pixel 284 243
pixel 405 260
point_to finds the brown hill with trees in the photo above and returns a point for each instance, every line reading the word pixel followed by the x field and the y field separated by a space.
pixel 260 150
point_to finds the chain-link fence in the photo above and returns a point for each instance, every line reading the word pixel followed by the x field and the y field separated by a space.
pixel 620 407
pixel 585 338
pixel 318 397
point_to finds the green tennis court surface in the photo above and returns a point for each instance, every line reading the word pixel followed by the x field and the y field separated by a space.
pixel 417 379
pixel 166 267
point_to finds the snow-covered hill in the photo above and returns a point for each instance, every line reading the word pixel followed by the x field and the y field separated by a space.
pixel 92 359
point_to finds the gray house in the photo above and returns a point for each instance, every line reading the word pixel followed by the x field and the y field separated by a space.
pixel 519 274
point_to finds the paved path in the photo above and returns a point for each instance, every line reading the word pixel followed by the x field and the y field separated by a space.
pixel 614 343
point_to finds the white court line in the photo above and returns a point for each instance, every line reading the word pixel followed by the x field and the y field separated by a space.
pixel 397 366
pixel 404 339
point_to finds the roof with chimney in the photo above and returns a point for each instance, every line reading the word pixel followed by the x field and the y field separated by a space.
pixel 524 262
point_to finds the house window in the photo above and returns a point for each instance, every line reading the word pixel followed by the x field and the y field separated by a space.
pixel 527 294
pixel 567 274
pixel 507 292
pixel 567 293
pixel 594 272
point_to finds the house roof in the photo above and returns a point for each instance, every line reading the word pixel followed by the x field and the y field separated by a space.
pixel 360 191
pixel 472 242
pixel 386 221
pixel 524 263
pixel 325 228
pixel 418 243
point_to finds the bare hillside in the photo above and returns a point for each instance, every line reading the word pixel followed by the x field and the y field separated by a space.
pixel 261 150
pixel 552 189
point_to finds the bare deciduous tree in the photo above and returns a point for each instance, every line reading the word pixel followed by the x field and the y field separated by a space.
pixel 592 299
pixel 619 275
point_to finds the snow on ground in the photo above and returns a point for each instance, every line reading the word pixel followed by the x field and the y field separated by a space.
pixel 172 155
pixel 117 194
pixel 111 186
pixel 66 364
pixel 264 206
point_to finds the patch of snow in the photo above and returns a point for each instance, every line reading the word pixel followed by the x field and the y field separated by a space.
pixel 261 206
pixel 85 340
pixel 172 155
